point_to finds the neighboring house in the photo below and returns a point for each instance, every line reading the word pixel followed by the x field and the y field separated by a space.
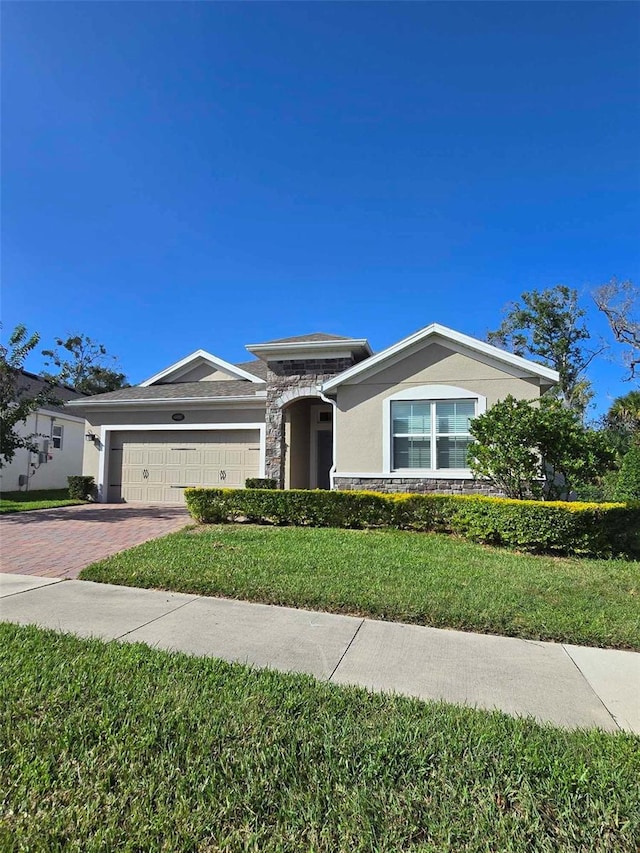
pixel 315 411
pixel 59 434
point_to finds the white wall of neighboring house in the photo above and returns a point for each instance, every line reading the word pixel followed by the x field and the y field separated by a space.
pixel 49 471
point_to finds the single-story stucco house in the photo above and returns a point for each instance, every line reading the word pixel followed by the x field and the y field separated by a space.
pixel 314 411
pixel 59 435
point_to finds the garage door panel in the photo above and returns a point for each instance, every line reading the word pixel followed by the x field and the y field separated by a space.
pixel 134 455
pixel 132 475
pixel 190 477
pixel 178 455
pixel 155 494
pixel 135 493
pixel 157 468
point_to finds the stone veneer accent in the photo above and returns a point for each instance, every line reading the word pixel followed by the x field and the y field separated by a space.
pixel 290 380
pixel 406 484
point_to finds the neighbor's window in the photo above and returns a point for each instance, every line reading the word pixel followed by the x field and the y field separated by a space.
pixel 56 437
pixel 431 434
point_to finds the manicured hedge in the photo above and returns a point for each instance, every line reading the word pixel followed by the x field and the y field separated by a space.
pixel 600 530
pixel 261 483
pixel 80 488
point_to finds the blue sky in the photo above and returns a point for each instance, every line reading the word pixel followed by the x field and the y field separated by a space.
pixel 185 175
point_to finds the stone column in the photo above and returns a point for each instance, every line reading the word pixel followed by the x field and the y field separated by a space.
pixel 286 381
pixel 274 439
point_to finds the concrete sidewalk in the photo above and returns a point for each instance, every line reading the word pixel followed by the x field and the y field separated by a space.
pixel 569 686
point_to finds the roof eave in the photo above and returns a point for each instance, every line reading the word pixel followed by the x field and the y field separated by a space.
pixel 285 350
pixel 171 401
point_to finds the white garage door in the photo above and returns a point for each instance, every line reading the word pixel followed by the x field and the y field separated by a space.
pixel 156 467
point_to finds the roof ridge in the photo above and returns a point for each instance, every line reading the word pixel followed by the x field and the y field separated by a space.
pixel 310 336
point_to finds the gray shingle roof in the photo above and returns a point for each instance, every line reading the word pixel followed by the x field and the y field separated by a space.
pixel 314 336
pixel 181 390
pixel 255 366
pixel 30 383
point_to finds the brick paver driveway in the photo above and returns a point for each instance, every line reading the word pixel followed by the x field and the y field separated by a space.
pixel 57 543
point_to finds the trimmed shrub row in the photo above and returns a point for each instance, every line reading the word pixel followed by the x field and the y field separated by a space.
pixel 80 488
pixel 600 530
pixel 261 483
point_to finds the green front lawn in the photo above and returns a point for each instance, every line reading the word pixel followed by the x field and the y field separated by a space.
pixel 428 579
pixel 118 747
pixel 36 499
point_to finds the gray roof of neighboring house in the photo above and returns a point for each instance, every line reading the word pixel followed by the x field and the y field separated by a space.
pixel 180 390
pixel 33 384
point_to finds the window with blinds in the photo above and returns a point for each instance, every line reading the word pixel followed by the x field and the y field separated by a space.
pixel 431 434
pixel 56 436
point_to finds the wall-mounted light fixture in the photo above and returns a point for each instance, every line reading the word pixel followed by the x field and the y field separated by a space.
pixel 90 436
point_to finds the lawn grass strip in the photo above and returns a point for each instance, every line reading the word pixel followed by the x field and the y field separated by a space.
pixel 424 579
pixel 38 499
pixel 106 746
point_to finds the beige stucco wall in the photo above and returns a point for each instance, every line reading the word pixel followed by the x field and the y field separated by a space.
pixel 64 463
pixel 125 417
pixel 360 406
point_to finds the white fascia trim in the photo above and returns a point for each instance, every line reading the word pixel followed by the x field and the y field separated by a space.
pixel 257 398
pixel 328 349
pixel 411 474
pixel 105 443
pixel 473 344
pixel 431 393
pixel 182 366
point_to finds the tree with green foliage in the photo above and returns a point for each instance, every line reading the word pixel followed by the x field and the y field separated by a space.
pixel 628 483
pixel 84 365
pixel 570 452
pixel 620 428
pixel 622 422
pixel 548 326
pixel 524 450
pixel 503 452
pixel 17 399
pixel 618 301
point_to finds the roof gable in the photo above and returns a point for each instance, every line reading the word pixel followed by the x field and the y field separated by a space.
pixel 455 340
pixel 180 368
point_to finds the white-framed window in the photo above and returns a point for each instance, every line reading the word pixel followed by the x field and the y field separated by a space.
pixel 57 434
pixel 427 429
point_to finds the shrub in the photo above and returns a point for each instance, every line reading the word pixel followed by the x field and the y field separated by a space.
pixel 628 484
pixel 261 483
pixel 552 526
pixel 602 491
pixel 540 451
pixel 80 488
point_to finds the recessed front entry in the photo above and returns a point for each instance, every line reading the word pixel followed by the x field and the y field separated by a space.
pixel 309 444
pixel 156 467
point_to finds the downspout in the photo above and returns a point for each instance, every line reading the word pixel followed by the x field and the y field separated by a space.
pixel 30 470
pixel 332 470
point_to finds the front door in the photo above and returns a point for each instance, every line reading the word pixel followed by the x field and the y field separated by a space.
pixel 325 457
